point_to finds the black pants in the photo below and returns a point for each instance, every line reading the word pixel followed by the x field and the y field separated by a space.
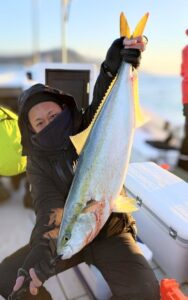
pixel 183 159
pixel 118 258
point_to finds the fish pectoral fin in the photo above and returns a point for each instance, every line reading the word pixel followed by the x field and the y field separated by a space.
pixel 139 29
pixel 89 205
pixel 93 205
pixel 124 204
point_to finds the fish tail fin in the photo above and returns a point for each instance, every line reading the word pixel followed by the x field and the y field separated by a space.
pixel 125 29
pixel 124 26
pixel 139 29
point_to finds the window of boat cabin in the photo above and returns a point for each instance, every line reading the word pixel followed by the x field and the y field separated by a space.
pixel 74 82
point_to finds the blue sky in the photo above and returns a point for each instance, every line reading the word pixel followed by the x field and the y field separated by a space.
pixel 93 25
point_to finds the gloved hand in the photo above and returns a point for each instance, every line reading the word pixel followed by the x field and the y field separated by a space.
pixel 113 57
pixel 40 258
pixel 125 49
pixel 132 56
pixel 39 266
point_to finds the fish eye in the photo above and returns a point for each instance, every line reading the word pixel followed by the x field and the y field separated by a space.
pixel 67 237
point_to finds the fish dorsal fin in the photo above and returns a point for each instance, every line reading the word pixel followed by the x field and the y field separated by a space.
pixel 124 204
pixel 80 139
pixel 125 29
pixel 140 117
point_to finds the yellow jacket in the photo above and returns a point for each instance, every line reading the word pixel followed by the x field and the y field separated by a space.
pixel 11 160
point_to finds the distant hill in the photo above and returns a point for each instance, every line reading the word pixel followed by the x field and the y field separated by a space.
pixel 47 56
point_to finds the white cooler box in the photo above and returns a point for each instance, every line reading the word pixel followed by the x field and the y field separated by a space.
pixel 162 219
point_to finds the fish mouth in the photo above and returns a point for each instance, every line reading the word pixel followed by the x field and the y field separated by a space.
pixel 67 252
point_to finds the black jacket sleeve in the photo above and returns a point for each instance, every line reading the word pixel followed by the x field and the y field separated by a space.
pixel 48 203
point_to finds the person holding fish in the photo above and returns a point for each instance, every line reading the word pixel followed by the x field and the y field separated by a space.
pixel 47 119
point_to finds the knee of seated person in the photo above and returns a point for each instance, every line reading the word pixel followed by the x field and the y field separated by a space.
pixel 5 289
pixel 138 296
pixel 147 291
pixel 7 279
pixel 152 294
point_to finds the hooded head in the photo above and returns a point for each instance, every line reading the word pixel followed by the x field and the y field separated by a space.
pixel 28 99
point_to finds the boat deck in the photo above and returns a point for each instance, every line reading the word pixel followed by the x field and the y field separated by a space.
pixel 69 285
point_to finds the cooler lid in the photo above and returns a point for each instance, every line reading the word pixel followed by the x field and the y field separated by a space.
pixel 162 192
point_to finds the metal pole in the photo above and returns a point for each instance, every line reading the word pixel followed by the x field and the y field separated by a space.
pixel 64 46
pixel 35 31
pixel 64 17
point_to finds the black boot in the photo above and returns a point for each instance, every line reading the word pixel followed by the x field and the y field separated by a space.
pixel 4 193
pixel 183 157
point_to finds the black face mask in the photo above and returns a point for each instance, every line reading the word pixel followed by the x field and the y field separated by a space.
pixel 54 135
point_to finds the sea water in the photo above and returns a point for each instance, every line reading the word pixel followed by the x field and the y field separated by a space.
pixel 162 95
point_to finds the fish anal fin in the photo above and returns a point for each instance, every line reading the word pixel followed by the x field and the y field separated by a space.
pixel 79 139
pixel 140 116
pixel 124 204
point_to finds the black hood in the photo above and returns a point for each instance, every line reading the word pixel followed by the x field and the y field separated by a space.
pixel 28 99
pixel 43 89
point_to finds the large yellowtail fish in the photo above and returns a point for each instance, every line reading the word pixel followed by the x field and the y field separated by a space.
pixel 104 148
